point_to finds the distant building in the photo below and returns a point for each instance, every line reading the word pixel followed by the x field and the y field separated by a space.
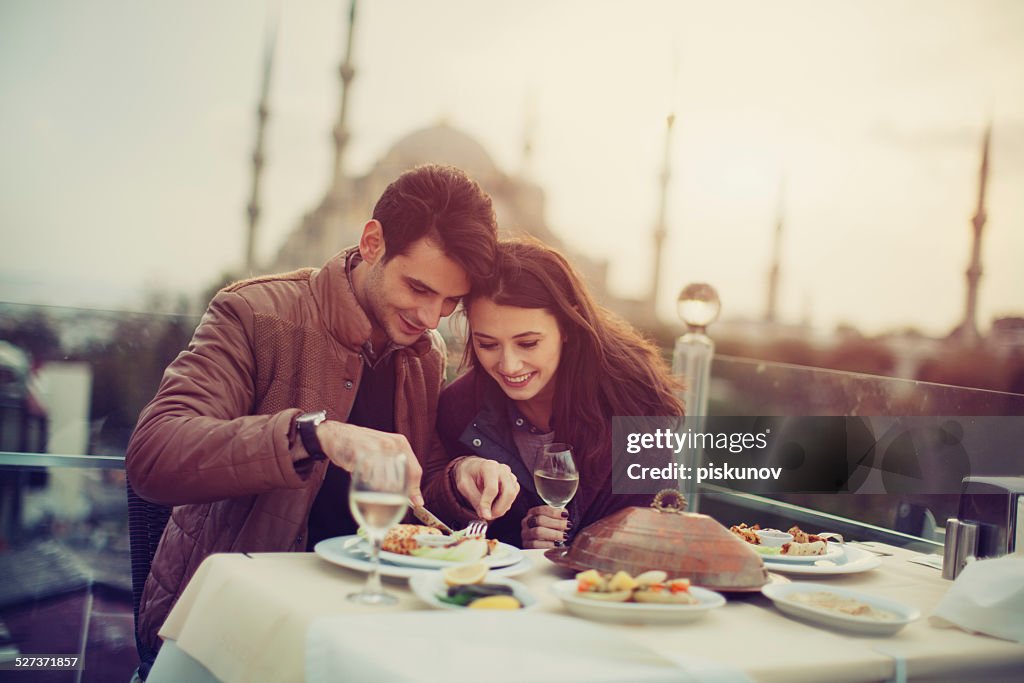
pixel 338 220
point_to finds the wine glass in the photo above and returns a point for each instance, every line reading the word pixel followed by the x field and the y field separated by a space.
pixel 555 475
pixel 378 500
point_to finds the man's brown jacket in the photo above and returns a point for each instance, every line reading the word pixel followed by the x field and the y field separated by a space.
pixel 218 441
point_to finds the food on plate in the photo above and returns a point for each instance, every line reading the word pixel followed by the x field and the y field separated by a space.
pixel 835 603
pixel 653 576
pixel 597 586
pixel 803 543
pixel 459 550
pixel 804 549
pixel 481 596
pixel 496 602
pixel 746 533
pixel 622 581
pixel 401 539
pixel 465 574
pixel 675 592
pixel 650 586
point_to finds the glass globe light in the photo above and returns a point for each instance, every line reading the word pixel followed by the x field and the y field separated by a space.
pixel 698 305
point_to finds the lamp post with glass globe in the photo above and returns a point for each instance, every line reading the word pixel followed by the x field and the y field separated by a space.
pixel 698 306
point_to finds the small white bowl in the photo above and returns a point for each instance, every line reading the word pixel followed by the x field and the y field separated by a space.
pixel 635 612
pixel 780 594
pixel 773 538
pixel 430 587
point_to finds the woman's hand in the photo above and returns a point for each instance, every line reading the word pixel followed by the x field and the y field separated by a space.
pixel 487 485
pixel 543 526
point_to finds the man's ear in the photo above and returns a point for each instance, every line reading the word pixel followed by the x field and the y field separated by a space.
pixel 371 244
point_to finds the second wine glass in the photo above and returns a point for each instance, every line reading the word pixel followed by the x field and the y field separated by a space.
pixel 555 475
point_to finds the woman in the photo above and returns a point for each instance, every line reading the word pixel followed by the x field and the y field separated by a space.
pixel 547 364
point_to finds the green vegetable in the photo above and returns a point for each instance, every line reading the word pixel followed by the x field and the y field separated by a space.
pixel 463 595
pixel 767 551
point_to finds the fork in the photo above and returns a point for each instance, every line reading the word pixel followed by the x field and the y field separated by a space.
pixel 476 527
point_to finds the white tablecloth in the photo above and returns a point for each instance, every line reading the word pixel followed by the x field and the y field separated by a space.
pixel 246 619
pixel 493 647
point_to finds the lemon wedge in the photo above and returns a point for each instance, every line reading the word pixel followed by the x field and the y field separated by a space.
pixel 465 574
pixel 496 602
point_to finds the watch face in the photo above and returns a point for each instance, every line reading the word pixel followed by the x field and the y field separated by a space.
pixel 314 418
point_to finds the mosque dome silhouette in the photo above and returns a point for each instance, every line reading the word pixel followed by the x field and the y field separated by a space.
pixel 441 144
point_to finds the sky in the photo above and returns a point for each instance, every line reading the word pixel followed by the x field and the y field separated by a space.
pixel 128 128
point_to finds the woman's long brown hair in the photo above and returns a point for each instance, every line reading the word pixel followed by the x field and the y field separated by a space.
pixel 606 368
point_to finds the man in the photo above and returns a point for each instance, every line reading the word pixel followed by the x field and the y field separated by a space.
pixel 289 377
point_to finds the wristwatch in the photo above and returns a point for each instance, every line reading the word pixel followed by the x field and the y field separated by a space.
pixel 306 425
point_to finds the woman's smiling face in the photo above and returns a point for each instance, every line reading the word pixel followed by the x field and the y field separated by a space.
pixel 519 347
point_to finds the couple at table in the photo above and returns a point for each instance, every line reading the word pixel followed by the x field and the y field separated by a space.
pixel 289 377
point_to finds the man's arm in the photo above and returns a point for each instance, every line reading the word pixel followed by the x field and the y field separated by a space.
pixel 196 442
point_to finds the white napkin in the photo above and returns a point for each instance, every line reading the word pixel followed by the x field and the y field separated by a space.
pixel 987 597
pixel 466 647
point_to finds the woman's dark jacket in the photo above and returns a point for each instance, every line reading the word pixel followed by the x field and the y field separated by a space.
pixel 473 418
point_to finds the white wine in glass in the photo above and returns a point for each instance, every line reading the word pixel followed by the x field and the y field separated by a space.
pixel 378 500
pixel 555 475
pixel 376 511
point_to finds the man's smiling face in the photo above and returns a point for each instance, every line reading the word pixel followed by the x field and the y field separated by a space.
pixel 411 292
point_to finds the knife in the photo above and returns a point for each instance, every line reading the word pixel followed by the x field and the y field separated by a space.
pixel 429 518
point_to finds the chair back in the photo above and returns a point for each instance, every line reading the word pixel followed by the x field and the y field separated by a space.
pixel 146 522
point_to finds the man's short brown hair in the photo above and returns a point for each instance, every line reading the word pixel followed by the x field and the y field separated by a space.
pixel 444 205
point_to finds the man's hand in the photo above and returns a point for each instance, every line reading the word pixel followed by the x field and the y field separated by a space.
pixel 343 443
pixel 489 486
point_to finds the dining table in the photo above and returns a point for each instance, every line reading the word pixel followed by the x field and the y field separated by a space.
pixel 280 617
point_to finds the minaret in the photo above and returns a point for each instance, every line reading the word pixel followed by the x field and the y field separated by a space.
pixel 660 230
pixel 529 124
pixel 341 132
pixel 773 273
pixel 262 112
pixel 969 327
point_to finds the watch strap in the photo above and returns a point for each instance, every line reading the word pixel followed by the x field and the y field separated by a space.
pixel 306 425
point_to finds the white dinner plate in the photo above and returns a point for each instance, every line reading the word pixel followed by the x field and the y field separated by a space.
pixel 833 552
pixel 429 588
pixel 345 552
pixel 503 556
pixel 852 561
pixel 903 614
pixel 635 612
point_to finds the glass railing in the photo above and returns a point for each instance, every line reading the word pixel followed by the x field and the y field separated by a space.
pixel 744 387
pixel 72 382
pixel 741 386
pixel 65 569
